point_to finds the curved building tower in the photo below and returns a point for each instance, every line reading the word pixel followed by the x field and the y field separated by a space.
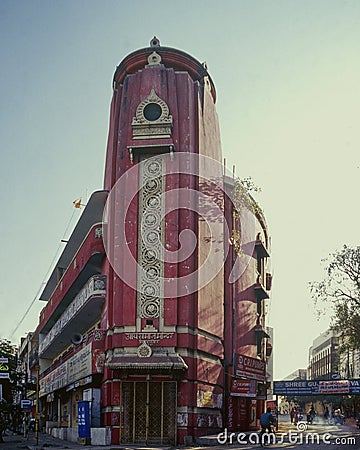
pixel 164 375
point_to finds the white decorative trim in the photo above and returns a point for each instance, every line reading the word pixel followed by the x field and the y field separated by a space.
pixel 150 240
pixel 154 59
pixel 159 127
pixel 144 350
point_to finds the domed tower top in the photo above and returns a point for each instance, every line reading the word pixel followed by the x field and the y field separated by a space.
pixel 169 57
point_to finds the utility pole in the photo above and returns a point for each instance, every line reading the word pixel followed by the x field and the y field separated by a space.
pixel 37 413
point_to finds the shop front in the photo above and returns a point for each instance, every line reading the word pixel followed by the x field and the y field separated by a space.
pixel 148 397
pixel 148 411
pixel 246 400
pixel 75 380
pixel 242 407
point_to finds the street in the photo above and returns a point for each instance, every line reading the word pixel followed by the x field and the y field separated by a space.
pixel 319 436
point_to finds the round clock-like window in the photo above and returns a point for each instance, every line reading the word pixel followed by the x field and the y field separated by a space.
pixel 152 112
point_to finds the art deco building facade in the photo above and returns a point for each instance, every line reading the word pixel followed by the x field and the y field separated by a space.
pixel 328 362
pixel 156 312
pixel 324 357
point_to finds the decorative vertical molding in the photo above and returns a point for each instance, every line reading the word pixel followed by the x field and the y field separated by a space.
pixel 151 239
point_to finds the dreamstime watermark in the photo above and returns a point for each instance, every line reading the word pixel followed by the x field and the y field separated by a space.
pixel 147 237
pixel 299 437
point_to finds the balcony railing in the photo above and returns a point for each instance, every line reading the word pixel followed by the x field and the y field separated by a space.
pixel 95 286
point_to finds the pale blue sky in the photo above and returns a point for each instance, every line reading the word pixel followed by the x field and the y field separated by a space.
pixel 287 78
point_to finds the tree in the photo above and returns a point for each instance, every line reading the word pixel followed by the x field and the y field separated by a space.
pixel 9 385
pixel 341 290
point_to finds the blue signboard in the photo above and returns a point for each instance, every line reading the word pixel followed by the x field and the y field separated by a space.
pixel 313 387
pixel 84 420
pixel 25 404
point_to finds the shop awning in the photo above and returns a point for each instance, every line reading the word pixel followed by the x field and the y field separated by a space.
pixel 156 362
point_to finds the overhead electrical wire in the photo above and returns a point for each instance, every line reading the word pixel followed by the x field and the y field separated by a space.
pixel 44 279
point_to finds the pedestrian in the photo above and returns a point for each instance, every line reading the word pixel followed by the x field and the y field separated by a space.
pixel 297 415
pixel 326 413
pixel 311 414
pixel 266 420
pixel 292 414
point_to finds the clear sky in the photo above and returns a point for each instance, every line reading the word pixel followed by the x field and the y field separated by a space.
pixel 287 78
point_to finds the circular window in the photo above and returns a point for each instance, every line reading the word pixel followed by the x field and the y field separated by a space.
pixel 152 112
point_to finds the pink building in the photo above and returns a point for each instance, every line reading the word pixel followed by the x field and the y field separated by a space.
pixel 157 315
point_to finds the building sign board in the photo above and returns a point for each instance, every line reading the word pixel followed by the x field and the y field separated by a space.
pixel 313 387
pixel 4 368
pixel 79 366
pixel 243 388
pixel 247 367
pixel 334 387
pixel 25 404
pixel 75 368
pixel 54 380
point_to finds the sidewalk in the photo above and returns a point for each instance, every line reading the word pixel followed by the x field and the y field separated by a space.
pixel 17 441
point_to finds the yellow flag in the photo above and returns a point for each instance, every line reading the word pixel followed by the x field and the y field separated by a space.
pixel 77 203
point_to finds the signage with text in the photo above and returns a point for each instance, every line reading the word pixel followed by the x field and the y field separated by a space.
pixel 77 367
pixel 243 388
pixel 313 387
pixel 247 367
pixel 26 404
pixel 4 368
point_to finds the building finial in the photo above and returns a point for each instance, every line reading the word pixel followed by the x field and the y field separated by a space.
pixel 154 42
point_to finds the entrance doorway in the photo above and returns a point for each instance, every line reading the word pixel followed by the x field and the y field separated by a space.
pixel 148 412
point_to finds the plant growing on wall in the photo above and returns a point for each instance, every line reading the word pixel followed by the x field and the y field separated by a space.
pixel 242 198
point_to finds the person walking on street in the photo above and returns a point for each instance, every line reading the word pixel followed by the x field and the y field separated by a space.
pixel 266 420
pixel 292 414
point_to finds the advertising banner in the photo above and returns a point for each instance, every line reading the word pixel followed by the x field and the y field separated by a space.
pixel 4 368
pixel 243 388
pixel 54 380
pixel 247 367
pixel 334 387
pixel 309 387
pixel 77 367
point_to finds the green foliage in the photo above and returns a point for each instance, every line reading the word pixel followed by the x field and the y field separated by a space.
pixel 9 350
pixel 242 195
pixel 242 198
pixel 340 289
